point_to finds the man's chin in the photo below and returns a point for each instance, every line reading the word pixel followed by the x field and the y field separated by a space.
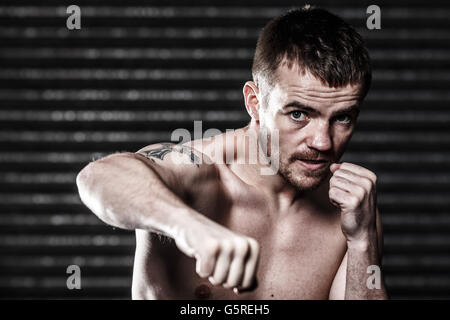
pixel 306 184
pixel 306 180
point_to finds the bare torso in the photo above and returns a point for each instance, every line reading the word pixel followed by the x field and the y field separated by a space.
pixel 300 250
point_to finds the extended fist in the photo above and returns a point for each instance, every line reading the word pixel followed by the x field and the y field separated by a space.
pixel 353 190
pixel 223 256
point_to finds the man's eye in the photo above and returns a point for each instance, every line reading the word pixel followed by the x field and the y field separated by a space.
pixel 344 119
pixel 297 115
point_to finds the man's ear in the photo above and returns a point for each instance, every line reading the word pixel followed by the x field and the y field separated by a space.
pixel 252 103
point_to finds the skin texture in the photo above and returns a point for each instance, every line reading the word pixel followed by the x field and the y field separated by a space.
pixel 228 232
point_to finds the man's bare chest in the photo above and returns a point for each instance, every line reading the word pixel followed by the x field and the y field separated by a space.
pixel 298 259
pixel 299 255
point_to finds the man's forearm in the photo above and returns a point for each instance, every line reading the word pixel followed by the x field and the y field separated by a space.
pixel 358 285
pixel 126 193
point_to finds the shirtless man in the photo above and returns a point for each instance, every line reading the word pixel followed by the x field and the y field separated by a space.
pixel 308 231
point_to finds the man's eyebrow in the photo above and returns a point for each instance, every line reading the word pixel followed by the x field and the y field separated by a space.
pixel 300 106
pixel 353 108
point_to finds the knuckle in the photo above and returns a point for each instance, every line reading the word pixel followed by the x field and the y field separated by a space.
pixel 368 184
pixel 227 285
pixel 241 247
pixel 363 192
pixel 203 274
pixel 201 270
pixel 213 281
pixel 333 180
pixel 226 246
pixel 332 190
pixel 359 192
pixel 211 248
pixel 331 194
pixel 354 201
pixel 372 177
pixel 254 245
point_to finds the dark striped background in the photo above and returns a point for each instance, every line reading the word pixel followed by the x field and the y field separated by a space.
pixel 135 72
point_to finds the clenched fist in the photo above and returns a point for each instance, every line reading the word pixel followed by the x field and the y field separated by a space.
pixel 353 190
pixel 223 256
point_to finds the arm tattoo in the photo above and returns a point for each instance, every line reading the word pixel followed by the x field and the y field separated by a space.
pixel 165 148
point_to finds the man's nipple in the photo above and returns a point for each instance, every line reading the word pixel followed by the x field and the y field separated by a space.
pixel 203 291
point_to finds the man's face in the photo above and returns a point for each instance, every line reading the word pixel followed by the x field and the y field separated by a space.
pixel 314 122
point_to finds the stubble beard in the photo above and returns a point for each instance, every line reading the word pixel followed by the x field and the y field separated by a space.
pixel 302 179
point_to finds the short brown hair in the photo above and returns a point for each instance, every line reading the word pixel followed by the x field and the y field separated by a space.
pixel 319 42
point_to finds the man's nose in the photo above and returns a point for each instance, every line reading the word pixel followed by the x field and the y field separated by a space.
pixel 319 137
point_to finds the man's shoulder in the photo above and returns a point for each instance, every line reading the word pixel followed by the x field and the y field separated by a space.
pixel 212 149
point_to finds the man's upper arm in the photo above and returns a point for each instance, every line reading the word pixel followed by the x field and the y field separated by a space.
pixel 337 291
pixel 180 167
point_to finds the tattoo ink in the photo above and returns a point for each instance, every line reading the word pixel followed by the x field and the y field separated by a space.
pixel 161 152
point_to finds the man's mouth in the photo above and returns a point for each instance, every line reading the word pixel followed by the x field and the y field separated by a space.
pixel 313 164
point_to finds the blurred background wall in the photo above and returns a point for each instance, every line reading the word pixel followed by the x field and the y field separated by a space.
pixel 139 69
